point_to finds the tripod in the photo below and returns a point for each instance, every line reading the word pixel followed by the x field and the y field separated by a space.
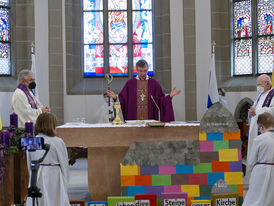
pixel 33 190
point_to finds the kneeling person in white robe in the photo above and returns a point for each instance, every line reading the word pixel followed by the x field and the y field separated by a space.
pixel 53 174
pixel 261 165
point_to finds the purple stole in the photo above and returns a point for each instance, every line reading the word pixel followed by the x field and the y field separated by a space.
pixel 142 99
pixel 29 96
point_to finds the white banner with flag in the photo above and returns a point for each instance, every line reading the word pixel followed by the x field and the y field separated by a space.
pixel 213 96
pixel 33 69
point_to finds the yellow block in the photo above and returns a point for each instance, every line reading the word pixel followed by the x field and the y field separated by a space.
pixel 192 190
pixel 129 170
pixel 228 155
pixel 201 202
pixel 234 178
pixel 202 136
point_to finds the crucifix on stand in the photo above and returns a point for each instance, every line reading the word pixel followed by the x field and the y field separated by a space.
pixel 109 79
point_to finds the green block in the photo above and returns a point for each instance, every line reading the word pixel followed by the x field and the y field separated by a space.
pixel 233 188
pixel 124 191
pixel 220 145
pixel 158 180
pixel 159 201
pixel 112 201
pixel 205 190
pixel 202 168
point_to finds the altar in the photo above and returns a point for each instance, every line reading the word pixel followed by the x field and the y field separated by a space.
pixel 107 145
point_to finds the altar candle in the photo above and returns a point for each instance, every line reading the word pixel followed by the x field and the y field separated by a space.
pixel 5 138
pixel 14 120
pixel 29 128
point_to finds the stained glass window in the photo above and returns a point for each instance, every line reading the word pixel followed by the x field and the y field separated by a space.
pixel 253 36
pixel 110 49
pixel 4 38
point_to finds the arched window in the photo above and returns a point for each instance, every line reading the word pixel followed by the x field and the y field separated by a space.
pixel 253 36
pixel 5 68
pixel 116 34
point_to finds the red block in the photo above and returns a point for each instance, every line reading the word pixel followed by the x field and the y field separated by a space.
pixel 151 197
pixel 198 179
pixel 220 166
pixel 143 180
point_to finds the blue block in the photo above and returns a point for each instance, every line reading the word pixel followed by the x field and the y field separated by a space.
pixel 184 169
pixel 201 198
pixel 97 203
pixel 213 177
pixel 133 190
pixel 149 170
pixel 214 136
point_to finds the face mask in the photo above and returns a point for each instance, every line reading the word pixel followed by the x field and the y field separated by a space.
pixel 32 85
pixel 260 89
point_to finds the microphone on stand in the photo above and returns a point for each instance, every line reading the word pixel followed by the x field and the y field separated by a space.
pixel 159 112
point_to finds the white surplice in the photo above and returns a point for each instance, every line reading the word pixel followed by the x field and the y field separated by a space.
pixel 253 126
pixel 52 180
pixel 22 107
pixel 261 184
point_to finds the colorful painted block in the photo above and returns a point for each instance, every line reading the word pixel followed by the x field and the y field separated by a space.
pixel 198 179
pixel 202 198
pixel 167 169
pixel 227 155
pixel 133 190
pixel 202 168
pixel 200 203
pixel 240 190
pixel 158 190
pixel 149 170
pixel 158 180
pixel 143 180
pixel 171 199
pixel 232 135
pixel 124 191
pixel 208 157
pixel 220 166
pixel 191 190
pixel 97 203
pixel 225 199
pixel 77 203
pixel 146 200
pixel 218 136
pixel 172 188
pixel 202 136
pixel 129 170
pixel 213 177
pixel 121 201
pixel 234 178
pixel 179 179
pixel 184 169
pixel 235 166
pixel 204 191
pixel 206 146
pixel 235 144
pixel 220 145
pixel 128 180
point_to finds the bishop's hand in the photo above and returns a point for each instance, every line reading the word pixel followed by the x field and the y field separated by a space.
pixel 174 92
pixel 111 94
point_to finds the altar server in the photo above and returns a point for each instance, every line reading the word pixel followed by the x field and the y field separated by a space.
pixel 53 174
pixel 24 103
pixel 138 95
pixel 261 165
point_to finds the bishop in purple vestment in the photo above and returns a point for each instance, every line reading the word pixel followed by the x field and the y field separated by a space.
pixel 137 97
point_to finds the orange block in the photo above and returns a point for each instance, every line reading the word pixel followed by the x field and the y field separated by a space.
pixel 143 180
pixel 189 201
pixel 128 180
pixel 220 166
pixel 240 190
pixel 231 135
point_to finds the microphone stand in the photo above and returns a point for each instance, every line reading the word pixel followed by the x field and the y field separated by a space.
pixel 159 112
pixel 33 190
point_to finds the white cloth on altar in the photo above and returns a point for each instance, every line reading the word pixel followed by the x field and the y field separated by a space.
pixel 21 106
pixel 253 126
pixel 52 180
pixel 261 184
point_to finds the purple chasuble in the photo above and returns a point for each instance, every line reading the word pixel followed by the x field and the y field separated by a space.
pixel 29 96
pixel 128 100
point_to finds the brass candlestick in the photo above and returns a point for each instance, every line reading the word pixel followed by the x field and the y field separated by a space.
pixel 117 108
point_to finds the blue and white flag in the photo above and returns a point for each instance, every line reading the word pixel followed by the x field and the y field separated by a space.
pixel 213 96
pixel 33 70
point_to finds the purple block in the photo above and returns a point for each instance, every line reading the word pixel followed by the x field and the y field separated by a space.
pixel 172 196
pixel 235 166
pixel 167 169
pixel 206 146
pixel 172 188
pixel 149 170
pixel 158 190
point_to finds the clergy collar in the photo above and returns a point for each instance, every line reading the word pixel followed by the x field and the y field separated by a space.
pixel 137 77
